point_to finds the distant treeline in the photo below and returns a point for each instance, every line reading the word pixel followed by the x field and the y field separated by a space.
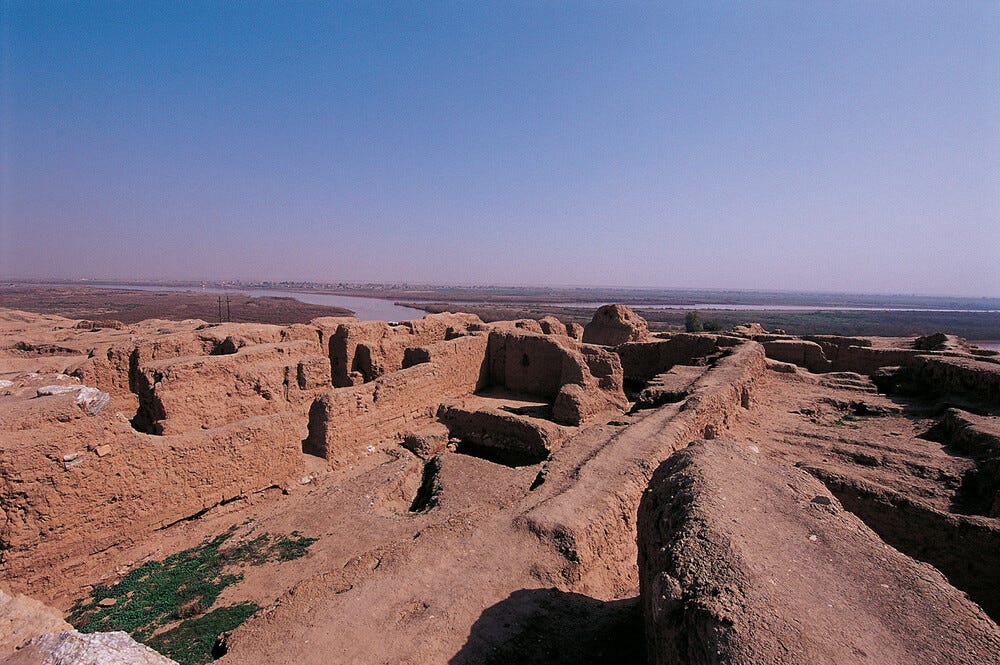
pixel 970 325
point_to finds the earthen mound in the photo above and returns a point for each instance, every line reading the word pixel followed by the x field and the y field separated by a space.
pixel 745 560
pixel 615 324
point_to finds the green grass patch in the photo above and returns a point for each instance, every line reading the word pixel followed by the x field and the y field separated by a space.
pixel 192 640
pixel 183 587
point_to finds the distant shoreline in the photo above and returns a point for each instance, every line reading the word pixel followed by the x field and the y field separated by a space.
pixel 889 318
pixel 589 297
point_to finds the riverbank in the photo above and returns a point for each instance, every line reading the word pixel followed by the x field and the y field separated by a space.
pixel 131 305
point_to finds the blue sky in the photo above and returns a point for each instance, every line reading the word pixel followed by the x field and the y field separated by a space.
pixel 773 145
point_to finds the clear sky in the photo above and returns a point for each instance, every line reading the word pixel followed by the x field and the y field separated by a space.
pixel 768 145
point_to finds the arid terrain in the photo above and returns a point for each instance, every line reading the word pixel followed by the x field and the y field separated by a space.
pixel 132 306
pixel 449 490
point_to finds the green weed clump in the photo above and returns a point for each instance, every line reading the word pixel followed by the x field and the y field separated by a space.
pixel 181 589
pixel 192 640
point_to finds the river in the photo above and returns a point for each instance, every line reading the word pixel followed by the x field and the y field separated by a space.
pixel 367 309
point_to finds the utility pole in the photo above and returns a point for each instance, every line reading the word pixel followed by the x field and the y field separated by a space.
pixel 220 309
pixel 229 316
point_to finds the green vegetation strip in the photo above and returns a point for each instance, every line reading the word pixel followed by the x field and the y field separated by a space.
pixel 179 591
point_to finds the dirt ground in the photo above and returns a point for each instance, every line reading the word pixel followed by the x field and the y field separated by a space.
pixel 130 306
pixel 457 583
pixel 463 559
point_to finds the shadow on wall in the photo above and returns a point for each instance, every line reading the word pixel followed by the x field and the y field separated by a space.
pixel 552 627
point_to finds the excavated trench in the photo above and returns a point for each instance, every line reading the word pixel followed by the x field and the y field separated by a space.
pixel 505 456
pixel 150 410
pixel 962 541
pixel 965 549
pixel 430 487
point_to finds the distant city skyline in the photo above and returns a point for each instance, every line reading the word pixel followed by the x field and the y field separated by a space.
pixel 828 147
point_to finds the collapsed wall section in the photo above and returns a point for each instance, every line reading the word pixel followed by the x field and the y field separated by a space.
pixel 641 361
pixel 590 520
pixel 345 421
pixel 581 380
pixel 743 559
pixel 362 351
pixel 70 485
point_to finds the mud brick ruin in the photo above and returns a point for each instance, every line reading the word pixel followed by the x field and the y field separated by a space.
pixel 479 488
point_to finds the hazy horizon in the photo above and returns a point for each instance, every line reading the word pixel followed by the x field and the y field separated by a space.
pixel 802 147
pixel 279 285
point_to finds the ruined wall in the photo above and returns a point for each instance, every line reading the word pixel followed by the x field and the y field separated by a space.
pixel 503 437
pixel 641 361
pixel 362 351
pixel 746 560
pixel 975 379
pixel 979 438
pixel 828 353
pixel 526 363
pixel 117 368
pixel 615 324
pixel 187 394
pixel 231 400
pixel 71 484
pixel 344 421
pixel 965 548
pixel 580 379
pixel 799 352
pixel 599 545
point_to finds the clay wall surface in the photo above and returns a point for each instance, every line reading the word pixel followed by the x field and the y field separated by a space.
pixel 185 394
pixel 344 421
pixel 615 324
pixel 550 325
pixel 831 343
pixel 599 544
pixel 979 438
pixel 642 361
pixel 864 360
pixel 582 380
pixel 510 438
pixel 799 352
pixel 526 363
pixel 821 354
pixel 978 380
pixel 362 351
pixel 965 548
pixel 117 368
pixel 71 483
pixel 725 538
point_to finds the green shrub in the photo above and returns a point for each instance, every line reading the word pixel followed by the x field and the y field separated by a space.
pixel 692 323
